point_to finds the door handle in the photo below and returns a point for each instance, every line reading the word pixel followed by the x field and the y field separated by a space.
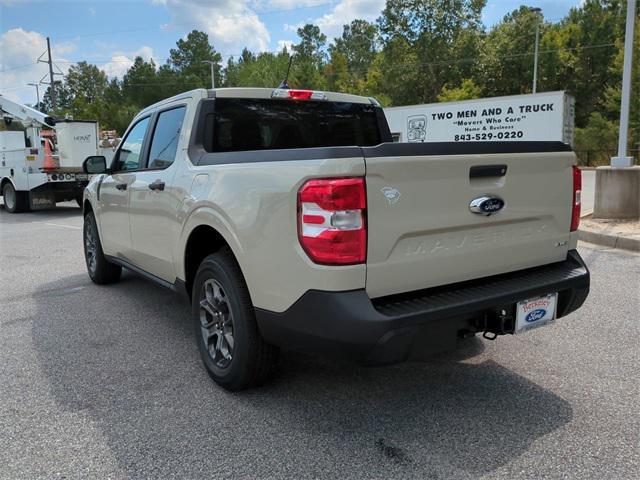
pixel 157 185
pixel 121 186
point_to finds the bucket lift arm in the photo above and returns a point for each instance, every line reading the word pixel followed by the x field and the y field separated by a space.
pixel 29 117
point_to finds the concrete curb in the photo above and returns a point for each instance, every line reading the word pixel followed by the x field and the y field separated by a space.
pixel 612 241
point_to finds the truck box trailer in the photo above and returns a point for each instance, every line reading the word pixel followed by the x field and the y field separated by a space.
pixel 545 116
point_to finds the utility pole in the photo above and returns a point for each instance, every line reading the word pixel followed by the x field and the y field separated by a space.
pixel 537 11
pixel 211 63
pixel 49 61
pixel 53 88
pixel 622 160
pixel 37 93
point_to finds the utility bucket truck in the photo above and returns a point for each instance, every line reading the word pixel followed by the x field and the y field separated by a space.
pixel 42 166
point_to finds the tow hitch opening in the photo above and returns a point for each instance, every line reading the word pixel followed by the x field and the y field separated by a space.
pixel 500 321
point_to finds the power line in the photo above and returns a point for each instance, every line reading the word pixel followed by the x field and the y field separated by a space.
pixel 181 24
pixel 444 62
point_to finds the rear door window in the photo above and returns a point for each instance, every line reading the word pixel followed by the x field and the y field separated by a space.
pixel 164 144
pixel 264 124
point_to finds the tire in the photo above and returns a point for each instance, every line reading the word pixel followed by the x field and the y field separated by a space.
pixel 15 202
pixel 100 270
pixel 231 347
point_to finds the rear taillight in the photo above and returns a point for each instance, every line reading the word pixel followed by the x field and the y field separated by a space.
pixel 577 201
pixel 332 220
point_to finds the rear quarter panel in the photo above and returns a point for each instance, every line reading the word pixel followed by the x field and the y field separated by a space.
pixel 254 207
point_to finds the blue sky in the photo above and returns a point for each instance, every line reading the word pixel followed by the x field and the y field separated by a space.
pixel 111 33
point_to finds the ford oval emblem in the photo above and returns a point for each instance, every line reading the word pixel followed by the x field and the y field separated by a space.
pixel 535 315
pixel 486 205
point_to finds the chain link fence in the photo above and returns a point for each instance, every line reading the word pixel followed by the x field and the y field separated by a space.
pixel 598 158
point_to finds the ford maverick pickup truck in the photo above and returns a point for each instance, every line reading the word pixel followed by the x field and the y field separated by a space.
pixel 292 221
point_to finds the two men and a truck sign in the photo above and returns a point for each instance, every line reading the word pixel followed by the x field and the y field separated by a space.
pixel 545 116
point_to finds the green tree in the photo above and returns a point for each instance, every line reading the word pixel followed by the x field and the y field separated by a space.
pixel 468 90
pixel 427 44
pixel 577 55
pixel 141 85
pixel 597 141
pixel 339 79
pixel 309 59
pixel 506 59
pixel 85 81
pixel 357 45
pixel 188 59
pixel 63 99
pixel 264 70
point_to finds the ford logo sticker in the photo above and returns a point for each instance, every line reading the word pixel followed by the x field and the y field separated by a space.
pixel 486 205
pixel 535 315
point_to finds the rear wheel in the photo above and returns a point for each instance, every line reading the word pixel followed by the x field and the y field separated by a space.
pixel 99 268
pixel 234 354
pixel 14 202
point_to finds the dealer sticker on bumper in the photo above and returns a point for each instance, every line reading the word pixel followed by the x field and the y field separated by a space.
pixel 535 312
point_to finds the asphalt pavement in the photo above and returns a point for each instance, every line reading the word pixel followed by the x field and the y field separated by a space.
pixel 106 382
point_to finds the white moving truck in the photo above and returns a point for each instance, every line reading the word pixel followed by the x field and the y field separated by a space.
pixel 545 116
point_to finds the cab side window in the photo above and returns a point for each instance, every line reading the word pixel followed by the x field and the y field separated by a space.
pixel 166 135
pixel 129 155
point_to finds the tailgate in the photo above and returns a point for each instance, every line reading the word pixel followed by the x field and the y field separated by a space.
pixel 422 232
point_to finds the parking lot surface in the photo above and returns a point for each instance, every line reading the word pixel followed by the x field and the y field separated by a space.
pixel 100 382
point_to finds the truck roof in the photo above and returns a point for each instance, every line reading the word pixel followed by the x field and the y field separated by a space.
pixel 243 92
pixel 249 92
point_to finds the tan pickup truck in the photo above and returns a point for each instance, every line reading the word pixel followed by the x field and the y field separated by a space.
pixel 292 221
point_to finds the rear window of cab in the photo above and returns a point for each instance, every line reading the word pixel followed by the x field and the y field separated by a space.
pixel 242 124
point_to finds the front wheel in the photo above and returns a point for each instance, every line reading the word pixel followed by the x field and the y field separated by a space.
pixel 100 270
pixel 231 347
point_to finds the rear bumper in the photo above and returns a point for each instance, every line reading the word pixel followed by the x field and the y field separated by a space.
pixel 391 329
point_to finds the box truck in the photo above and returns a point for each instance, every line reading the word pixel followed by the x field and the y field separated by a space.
pixel 545 116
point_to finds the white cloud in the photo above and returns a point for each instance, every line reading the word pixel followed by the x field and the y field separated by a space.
pixel 92 11
pixel 345 11
pixel 117 66
pixel 20 50
pixel 294 4
pixel 121 62
pixel 231 24
pixel 282 44
pixel 288 27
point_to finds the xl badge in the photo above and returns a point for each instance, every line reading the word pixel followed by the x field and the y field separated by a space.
pixel 391 194
pixel 486 205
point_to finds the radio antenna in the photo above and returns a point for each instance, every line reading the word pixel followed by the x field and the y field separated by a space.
pixel 283 84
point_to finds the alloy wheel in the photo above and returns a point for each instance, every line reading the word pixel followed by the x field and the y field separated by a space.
pixel 216 323
pixel 90 249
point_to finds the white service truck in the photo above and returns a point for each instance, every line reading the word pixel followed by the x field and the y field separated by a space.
pixel 39 168
pixel 539 117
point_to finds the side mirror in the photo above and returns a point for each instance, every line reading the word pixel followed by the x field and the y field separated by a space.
pixel 94 164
